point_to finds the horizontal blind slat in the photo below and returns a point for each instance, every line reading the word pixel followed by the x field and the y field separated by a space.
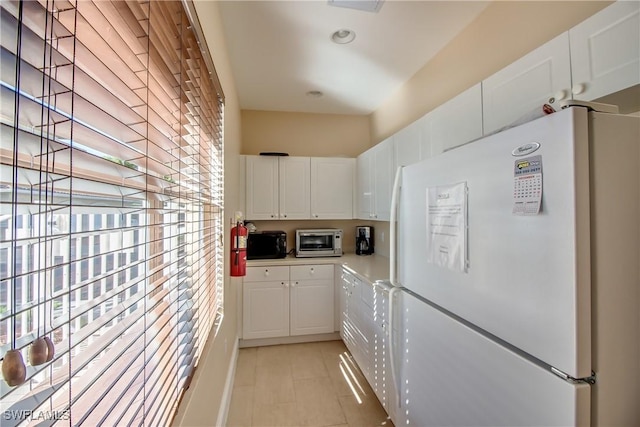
pixel 115 118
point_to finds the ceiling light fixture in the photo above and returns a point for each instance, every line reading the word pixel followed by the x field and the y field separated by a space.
pixel 315 94
pixel 343 36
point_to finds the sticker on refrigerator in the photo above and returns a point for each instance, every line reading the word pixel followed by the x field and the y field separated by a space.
pixel 447 226
pixel 527 186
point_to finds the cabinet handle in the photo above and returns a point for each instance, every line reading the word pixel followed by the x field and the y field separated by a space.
pixel 559 96
pixel 285 215
pixel 286 285
pixel 273 216
pixel 578 88
pixel 266 272
pixel 312 271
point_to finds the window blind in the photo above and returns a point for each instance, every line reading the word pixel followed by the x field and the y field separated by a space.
pixel 111 220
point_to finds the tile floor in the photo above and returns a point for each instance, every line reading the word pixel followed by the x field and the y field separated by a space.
pixel 310 384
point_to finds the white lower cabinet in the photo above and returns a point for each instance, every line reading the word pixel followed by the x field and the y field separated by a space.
pixel 350 329
pixel 364 329
pixel 281 301
pixel 265 302
pixel 311 299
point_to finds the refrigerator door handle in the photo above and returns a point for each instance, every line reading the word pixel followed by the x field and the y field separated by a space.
pixel 393 279
pixel 392 226
pixel 588 380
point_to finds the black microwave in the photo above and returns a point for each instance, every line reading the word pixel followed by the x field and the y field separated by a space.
pixel 267 245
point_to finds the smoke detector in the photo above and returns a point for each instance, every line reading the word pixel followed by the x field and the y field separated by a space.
pixel 366 5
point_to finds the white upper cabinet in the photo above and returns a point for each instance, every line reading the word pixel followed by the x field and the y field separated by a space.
pixel 605 51
pixel 262 187
pixel 523 87
pixel 295 184
pixel 384 175
pixel 283 187
pixel 427 150
pixel 375 181
pixel 453 123
pixel 406 144
pixel 364 185
pixel 277 187
pixel 332 186
pixel 458 120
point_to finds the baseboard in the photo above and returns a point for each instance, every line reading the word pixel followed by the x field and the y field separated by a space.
pixel 258 342
pixel 225 404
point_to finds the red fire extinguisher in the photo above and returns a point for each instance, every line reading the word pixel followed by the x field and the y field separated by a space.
pixel 239 250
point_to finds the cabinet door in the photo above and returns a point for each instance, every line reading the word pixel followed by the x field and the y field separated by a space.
pixel 332 182
pixel 364 184
pixel 343 294
pixel 349 330
pixel 311 299
pixel 605 51
pixel 523 87
pixel 295 184
pixel 381 365
pixel 265 309
pixel 381 355
pixel 406 145
pixel 458 120
pixel 366 357
pixel 427 149
pixel 311 307
pixel 383 175
pixel 261 187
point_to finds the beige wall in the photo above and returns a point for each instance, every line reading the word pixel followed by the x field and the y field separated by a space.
pixel 201 403
pixel 303 134
pixel 348 228
pixel 504 32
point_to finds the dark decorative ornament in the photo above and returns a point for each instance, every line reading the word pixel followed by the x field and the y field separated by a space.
pixel 38 352
pixel 51 349
pixel 14 370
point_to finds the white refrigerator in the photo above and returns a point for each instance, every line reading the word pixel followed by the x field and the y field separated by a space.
pixel 517 278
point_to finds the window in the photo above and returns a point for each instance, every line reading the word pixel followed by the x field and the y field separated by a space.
pixel 111 207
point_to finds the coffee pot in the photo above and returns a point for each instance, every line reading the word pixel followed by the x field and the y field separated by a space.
pixel 364 240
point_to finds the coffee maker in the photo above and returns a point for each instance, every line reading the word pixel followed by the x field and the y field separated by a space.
pixel 364 240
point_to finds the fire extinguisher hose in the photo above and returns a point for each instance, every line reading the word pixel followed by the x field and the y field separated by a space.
pixel 236 261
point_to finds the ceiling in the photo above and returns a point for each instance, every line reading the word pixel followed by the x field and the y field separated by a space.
pixel 281 50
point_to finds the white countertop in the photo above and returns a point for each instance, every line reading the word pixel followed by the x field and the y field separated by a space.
pixel 369 267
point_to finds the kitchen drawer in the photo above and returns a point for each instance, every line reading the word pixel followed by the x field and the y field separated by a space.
pixel 376 298
pixel 368 294
pixel 348 278
pixel 267 274
pixel 312 272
